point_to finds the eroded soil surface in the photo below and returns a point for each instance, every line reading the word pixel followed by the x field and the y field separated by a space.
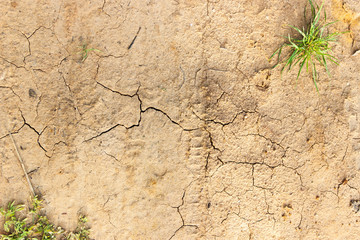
pixel 178 127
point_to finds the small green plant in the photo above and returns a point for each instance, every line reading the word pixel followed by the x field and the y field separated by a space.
pixel 85 51
pixel 13 225
pixel 23 228
pixel 81 232
pixel 312 46
pixel 36 226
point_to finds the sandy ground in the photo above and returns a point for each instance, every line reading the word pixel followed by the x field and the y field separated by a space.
pixel 179 128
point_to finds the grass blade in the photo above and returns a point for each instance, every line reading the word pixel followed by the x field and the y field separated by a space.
pixel 301 66
pixel 301 32
pixel 314 77
pixel 325 64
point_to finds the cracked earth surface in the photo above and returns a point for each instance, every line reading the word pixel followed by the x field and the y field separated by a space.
pixel 179 128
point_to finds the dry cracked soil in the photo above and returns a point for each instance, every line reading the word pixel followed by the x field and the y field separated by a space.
pixel 177 126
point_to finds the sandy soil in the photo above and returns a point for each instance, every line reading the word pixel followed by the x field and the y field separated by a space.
pixel 179 128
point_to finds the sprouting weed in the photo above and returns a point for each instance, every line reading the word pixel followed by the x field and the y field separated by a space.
pixel 85 51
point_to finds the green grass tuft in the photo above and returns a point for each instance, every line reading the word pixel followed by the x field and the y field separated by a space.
pixel 311 47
